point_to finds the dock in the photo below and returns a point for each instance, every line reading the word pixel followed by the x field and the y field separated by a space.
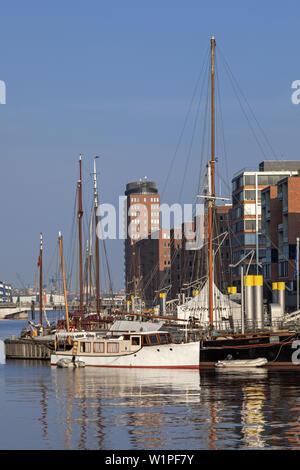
pixel 27 348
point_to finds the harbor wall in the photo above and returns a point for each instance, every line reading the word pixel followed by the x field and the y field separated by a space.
pixel 26 349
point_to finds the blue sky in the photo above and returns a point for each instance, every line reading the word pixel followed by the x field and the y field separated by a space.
pixel 115 79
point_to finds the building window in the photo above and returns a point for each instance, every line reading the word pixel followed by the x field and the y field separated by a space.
pixel 249 209
pixel 283 269
pixel 267 271
pixel 250 238
pixel 249 180
pixel 249 195
pixel 250 224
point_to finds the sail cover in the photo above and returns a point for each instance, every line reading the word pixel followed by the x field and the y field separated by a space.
pixel 135 326
pixel 225 310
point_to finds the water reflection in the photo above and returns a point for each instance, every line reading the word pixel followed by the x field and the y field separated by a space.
pixel 153 409
pixel 253 382
pixel 137 402
pixel 252 416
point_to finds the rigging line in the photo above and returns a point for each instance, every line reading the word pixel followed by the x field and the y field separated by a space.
pixel 240 244
pixel 106 259
pixel 251 110
pixel 176 250
pixel 245 114
pixel 70 253
pixel 204 142
pixel 46 274
pixel 219 103
pixel 202 177
pixel 85 220
pixel 184 125
pixel 193 135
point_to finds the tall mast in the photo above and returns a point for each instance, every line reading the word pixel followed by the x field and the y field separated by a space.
pixel 64 279
pixel 90 258
pixel 41 278
pixel 96 240
pixel 86 273
pixel 80 213
pixel 211 174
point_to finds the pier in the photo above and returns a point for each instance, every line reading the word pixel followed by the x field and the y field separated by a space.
pixel 18 348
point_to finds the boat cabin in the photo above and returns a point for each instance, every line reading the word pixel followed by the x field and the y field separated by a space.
pixel 124 343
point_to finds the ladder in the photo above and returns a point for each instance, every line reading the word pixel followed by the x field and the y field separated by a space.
pixel 76 347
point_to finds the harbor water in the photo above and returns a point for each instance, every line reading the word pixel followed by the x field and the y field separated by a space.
pixel 45 408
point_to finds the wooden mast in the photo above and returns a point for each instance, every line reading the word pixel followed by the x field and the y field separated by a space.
pixel 64 280
pixel 80 213
pixel 211 166
pixel 96 240
pixel 86 273
pixel 41 278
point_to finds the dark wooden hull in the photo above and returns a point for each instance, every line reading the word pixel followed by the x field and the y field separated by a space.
pixel 280 349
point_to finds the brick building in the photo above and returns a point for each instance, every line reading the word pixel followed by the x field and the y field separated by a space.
pixel 189 266
pixel 247 187
pixel 281 226
pixel 147 247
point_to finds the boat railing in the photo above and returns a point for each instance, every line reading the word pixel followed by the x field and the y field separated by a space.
pixel 249 327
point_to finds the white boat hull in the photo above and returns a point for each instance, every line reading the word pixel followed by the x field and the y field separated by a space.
pixel 166 356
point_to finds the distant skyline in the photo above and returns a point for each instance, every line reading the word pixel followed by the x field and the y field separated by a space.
pixel 115 79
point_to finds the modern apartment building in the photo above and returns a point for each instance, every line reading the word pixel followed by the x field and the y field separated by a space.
pixel 5 292
pixel 281 226
pixel 247 235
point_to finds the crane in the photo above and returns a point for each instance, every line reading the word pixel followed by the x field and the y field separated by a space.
pixel 21 282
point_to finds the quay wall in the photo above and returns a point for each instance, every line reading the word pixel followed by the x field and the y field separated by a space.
pixel 26 349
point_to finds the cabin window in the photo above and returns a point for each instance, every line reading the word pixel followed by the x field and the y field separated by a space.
pixel 85 347
pixel 164 338
pixel 98 347
pixel 145 341
pixel 135 341
pixel 153 339
pixel 112 347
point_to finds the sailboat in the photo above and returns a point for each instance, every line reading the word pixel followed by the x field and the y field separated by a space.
pixel 83 313
pixel 277 348
pixel 138 346
pixel 133 345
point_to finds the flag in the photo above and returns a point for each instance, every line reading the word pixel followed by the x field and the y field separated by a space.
pixel 39 261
